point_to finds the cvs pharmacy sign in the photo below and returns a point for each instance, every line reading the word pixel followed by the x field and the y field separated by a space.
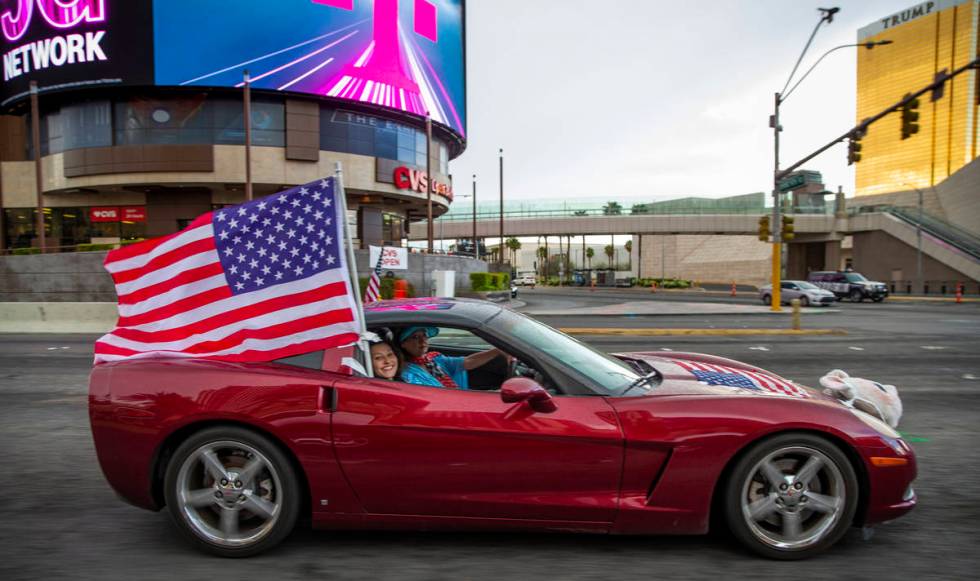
pixel 407 178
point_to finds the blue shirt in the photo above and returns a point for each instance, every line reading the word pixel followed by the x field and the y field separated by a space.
pixel 453 366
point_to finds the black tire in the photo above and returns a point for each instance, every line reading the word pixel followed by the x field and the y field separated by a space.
pixel 804 301
pixel 775 523
pixel 878 299
pixel 766 300
pixel 856 296
pixel 274 487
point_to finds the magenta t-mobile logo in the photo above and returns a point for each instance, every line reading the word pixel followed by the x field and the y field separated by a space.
pixel 393 70
pixel 425 14
pixel 57 13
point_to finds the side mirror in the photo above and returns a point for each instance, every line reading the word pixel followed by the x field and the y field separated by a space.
pixel 520 389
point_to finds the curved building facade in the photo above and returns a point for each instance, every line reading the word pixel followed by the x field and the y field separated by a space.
pixel 141 111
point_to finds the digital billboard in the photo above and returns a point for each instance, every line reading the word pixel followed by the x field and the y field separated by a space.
pixel 69 43
pixel 400 54
pixel 406 55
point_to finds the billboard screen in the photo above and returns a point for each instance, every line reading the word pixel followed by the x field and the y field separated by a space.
pixel 70 43
pixel 400 54
pixel 405 55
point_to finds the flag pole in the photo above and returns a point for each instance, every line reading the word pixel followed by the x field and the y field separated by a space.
pixel 352 270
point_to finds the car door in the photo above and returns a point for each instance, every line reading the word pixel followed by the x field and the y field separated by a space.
pixel 417 450
pixel 789 291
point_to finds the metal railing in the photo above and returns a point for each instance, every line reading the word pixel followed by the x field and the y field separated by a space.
pixel 464 216
pixel 939 228
pixel 934 287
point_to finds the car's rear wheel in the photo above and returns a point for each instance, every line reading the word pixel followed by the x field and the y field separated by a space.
pixel 791 496
pixel 766 300
pixel 232 492
pixel 857 296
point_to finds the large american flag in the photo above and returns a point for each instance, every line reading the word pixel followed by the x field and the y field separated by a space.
pixel 255 282
pixel 714 374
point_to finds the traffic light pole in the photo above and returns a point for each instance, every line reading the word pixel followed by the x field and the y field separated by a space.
pixel 777 247
pixel 862 127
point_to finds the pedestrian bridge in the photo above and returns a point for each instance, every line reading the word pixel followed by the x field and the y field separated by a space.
pixel 958 251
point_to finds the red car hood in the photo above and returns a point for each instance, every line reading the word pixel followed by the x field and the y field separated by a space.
pixel 702 374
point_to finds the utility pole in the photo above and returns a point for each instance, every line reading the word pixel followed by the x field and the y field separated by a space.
pixel 428 178
pixel 501 205
pixel 248 137
pixel 476 245
pixel 38 174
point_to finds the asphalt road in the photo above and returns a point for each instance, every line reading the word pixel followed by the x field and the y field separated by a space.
pixel 61 520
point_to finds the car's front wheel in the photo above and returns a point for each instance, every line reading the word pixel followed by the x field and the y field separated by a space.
pixel 791 496
pixel 804 301
pixel 232 492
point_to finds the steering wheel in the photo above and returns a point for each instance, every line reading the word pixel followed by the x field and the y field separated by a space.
pixel 518 368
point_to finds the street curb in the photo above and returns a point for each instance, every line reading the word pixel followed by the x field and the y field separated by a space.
pixel 662 332
pixel 932 299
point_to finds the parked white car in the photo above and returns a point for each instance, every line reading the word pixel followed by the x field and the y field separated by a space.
pixel 526 279
pixel 808 293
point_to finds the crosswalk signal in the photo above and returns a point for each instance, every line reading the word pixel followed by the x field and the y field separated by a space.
pixel 910 117
pixel 853 151
pixel 787 232
pixel 764 228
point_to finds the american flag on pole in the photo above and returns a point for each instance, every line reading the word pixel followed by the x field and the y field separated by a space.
pixel 373 291
pixel 255 282
pixel 713 374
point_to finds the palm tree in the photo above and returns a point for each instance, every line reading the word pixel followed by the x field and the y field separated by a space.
pixel 542 257
pixel 589 253
pixel 629 253
pixel 514 245
pixel 612 209
pixel 610 252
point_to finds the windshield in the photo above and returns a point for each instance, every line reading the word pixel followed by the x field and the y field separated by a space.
pixel 806 285
pixel 611 373
pixel 855 277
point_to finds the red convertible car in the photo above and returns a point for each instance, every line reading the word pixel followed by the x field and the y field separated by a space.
pixel 563 438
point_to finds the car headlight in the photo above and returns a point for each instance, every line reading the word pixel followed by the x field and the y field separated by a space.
pixel 876 424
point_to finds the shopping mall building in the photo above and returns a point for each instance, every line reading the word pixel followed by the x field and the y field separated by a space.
pixel 141 109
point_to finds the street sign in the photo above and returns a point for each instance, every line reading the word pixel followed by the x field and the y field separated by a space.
pixel 792 182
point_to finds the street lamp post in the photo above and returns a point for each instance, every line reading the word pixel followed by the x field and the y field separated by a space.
pixel 827 16
pixel 918 243
pixel 476 246
pixel 501 255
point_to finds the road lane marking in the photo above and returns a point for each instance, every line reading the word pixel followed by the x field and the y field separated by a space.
pixel 662 332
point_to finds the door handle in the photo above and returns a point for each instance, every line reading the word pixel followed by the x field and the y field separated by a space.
pixel 328 398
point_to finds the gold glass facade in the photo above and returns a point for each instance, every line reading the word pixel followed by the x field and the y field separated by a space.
pixel 927 38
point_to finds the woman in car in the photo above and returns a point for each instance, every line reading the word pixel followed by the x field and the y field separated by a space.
pixel 386 360
pixel 424 367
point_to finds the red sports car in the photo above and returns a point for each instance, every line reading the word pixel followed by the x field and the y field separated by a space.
pixel 563 438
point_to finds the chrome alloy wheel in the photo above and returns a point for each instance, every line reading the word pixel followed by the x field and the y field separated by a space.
pixel 229 493
pixel 793 497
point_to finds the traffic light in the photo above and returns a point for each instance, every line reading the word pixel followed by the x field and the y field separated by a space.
pixel 764 228
pixel 853 150
pixel 788 230
pixel 910 116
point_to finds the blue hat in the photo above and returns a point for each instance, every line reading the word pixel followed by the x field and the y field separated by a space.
pixel 409 331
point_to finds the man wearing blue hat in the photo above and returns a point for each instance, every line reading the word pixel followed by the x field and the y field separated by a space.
pixel 423 367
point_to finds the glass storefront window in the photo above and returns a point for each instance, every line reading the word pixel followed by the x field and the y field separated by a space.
pixel 352 132
pixel 197 119
pixel 67 227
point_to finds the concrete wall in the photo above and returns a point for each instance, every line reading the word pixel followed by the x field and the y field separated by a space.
pixel 74 277
pixel 706 258
pixel 80 277
pixel 882 257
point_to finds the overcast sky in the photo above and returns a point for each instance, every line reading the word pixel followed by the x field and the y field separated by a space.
pixel 652 99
